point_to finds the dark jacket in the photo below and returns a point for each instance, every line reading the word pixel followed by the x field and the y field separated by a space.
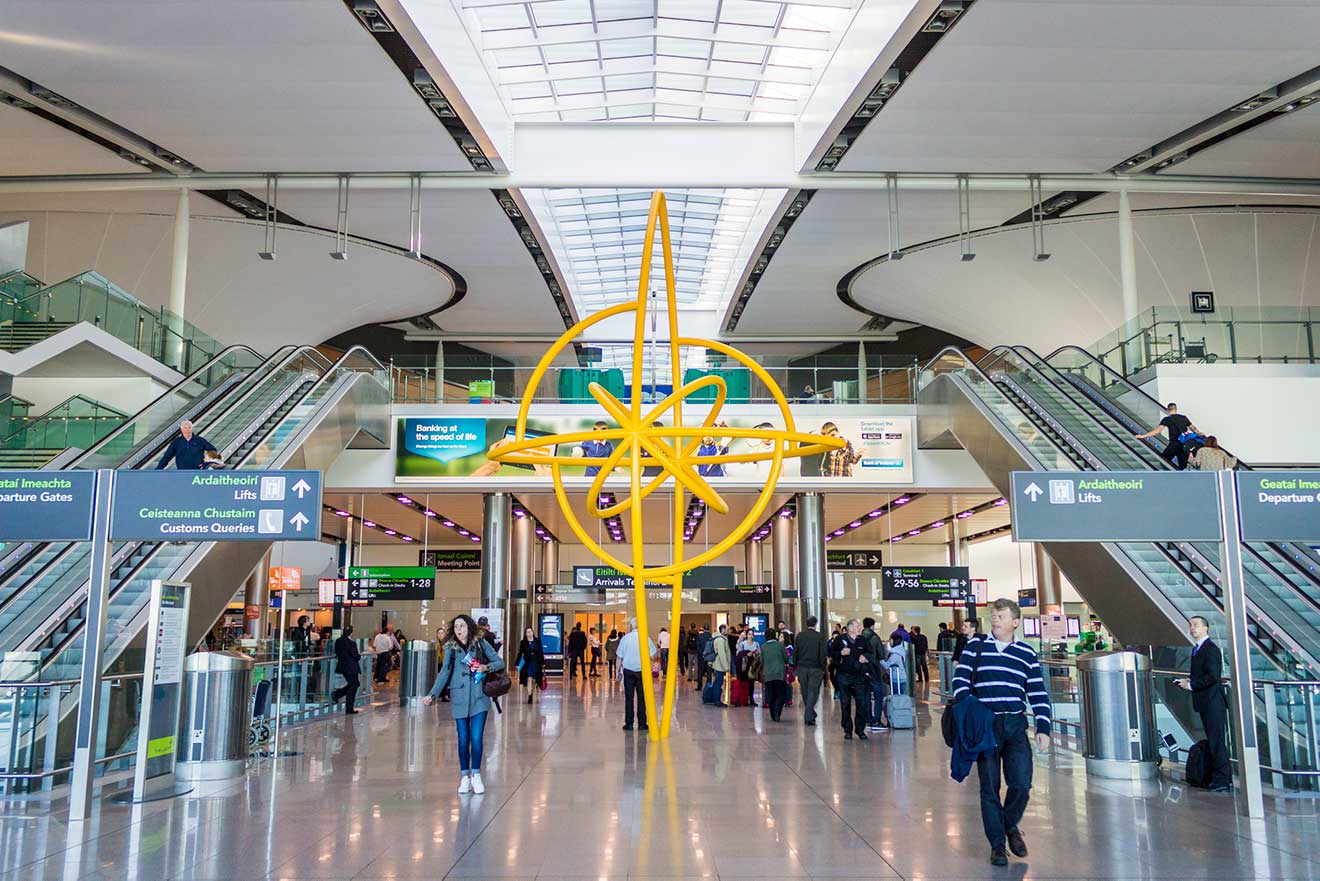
pixel 532 656
pixel 959 643
pixel 577 642
pixel 921 643
pixel 1206 677
pixel 809 650
pixel 348 659
pixel 774 661
pixel 851 666
pixel 944 640
pixel 875 646
pixel 188 455
pixel 975 724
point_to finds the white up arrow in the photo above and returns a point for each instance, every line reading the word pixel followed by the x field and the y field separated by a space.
pixel 302 487
pixel 1033 491
pixel 298 520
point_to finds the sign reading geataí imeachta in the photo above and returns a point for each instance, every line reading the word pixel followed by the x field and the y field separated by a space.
pixel 46 505
pixel 216 506
pixel 1115 506
pixel 1279 505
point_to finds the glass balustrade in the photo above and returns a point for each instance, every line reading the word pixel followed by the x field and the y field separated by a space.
pixel 77 422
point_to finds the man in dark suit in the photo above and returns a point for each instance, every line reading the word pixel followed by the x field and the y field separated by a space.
pixel 1205 684
pixel 577 649
pixel 348 663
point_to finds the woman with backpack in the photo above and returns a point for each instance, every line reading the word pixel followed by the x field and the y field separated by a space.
pixel 467 660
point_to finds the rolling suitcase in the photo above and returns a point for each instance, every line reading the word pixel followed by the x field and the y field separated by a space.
pixel 708 693
pixel 740 693
pixel 898 707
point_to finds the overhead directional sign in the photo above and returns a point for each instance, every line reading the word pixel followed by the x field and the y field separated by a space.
pixel 1279 505
pixel 391 583
pixel 855 559
pixel 699 578
pixel 451 559
pixel 217 506
pixel 1115 506
pixel 46 505
pixel 925 583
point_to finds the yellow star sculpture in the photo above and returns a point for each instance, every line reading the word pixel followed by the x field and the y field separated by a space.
pixel 642 443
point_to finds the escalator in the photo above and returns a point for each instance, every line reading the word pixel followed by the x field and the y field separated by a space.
pixel 293 410
pixel 1018 411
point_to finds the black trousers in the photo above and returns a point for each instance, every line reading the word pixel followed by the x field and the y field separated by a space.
pixel 349 691
pixel 576 663
pixel 1215 720
pixel 853 695
pixel 1009 762
pixel 1176 453
pixel 775 693
pixel 923 668
pixel 632 699
pixel 595 660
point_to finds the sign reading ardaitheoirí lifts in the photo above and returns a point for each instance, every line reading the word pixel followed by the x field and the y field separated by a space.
pixel 451 559
pixel 46 505
pixel 855 559
pixel 1279 505
pixel 391 583
pixel 217 506
pixel 925 583
pixel 1115 506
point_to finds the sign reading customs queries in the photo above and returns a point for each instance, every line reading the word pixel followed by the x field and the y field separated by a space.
pixel 46 505
pixel 217 506
pixel 1115 506
pixel 1279 505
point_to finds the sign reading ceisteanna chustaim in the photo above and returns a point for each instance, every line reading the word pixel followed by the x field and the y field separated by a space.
pixel 1279 505
pixel 46 505
pixel 217 506
pixel 1115 506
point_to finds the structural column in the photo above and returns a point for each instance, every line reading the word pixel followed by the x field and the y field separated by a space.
pixel 522 565
pixel 812 591
pixel 550 562
pixel 1127 273
pixel 179 279
pixel 753 571
pixel 497 511
pixel 1049 582
pixel 783 570
pixel 256 597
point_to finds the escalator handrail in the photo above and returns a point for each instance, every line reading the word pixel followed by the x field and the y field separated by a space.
pixel 293 353
pixel 235 349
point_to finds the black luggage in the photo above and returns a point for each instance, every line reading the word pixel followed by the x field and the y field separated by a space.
pixel 1198 769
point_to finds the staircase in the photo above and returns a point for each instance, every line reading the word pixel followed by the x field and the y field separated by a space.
pixel 18 335
pixel 27 460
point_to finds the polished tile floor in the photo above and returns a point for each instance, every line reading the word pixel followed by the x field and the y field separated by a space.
pixel 731 795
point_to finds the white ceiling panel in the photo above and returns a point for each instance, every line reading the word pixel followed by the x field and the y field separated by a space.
pixel 233 85
pixel 35 146
pixel 1080 85
pixel 1286 146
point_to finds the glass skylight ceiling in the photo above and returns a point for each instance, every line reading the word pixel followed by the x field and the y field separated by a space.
pixel 705 60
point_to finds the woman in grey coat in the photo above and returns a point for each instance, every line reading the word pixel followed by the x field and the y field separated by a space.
pixel 468 658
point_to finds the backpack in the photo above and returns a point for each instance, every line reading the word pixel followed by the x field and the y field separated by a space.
pixel 1198 771
pixel 708 653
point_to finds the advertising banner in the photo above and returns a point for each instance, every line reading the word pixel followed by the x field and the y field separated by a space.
pixel 879 451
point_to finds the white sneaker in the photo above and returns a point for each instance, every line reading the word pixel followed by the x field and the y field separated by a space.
pixel 464 785
pixel 477 786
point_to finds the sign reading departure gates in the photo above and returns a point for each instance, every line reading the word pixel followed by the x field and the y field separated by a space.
pixel 217 506
pixel 46 505
pixel 1115 506
pixel 1279 505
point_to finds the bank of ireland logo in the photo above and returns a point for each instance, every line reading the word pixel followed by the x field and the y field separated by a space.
pixel 641 442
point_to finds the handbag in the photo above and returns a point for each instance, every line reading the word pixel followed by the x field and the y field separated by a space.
pixel 948 725
pixel 496 683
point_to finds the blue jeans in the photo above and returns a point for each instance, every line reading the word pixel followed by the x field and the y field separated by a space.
pixel 877 702
pixel 719 686
pixel 471 732
pixel 1014 754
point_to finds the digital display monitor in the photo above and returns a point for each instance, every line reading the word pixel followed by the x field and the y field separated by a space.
pixel 1074 627
pixel 1031 627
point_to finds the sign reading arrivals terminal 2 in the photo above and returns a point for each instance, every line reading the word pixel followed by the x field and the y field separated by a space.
pixel 1279 505
pixel 46 505
pixel 216 506
pixel 1115 506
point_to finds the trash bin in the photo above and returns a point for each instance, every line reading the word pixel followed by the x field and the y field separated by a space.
pixel 417 671
pixel 213 735
pixel 1118 715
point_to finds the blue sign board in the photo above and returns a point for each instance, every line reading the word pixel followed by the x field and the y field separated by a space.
pixel 1115 506
pixel 216 506
pixel 46 505
pixel 1279 505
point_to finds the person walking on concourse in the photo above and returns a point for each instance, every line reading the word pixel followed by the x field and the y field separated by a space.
pixel 530 663
pixel 1008 678
pixel 348 663
pixel 852 676
pixel 468 658
pixel 809 656
pixel 1206 686
pixel 633 664
pixel 188 450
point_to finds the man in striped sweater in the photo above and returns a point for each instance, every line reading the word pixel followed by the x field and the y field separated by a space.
pixel 1007 678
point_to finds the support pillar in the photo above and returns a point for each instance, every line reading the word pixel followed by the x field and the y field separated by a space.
pixel 1127 257
pixel 522 565
pixel 783 570
pixel 550 562
pixel 812 591
pixel 179 282
pixel 497 511
pixel 256 596
pixel 1049 582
